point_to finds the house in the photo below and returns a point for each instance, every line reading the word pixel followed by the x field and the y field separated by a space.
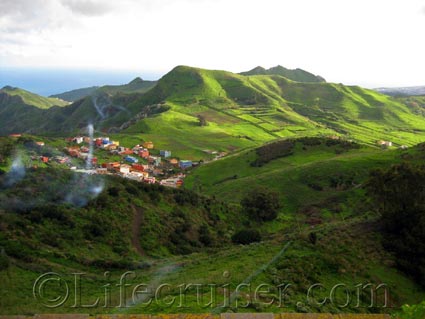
pixel 174 161
pixel 385 143
pixel 44 159
pixel 98 142
pixel 40 143
pixel 110 147
pixel 15 135
pixel 94 161
pixel 114 166
pixel 144 153
pixel 135 176
pixel 84 149
pixel 157 172
pixel 125 151
pixel 131 159
pixel 164 153
pixel 87 140
pixel 156 160
pixel 403 147
pixel 78 139
pixel 137 167
pixel 150 180
pixel 62 159
pixel 125 169
pixel 102 171
pixel 183 164
pixel 105 140
pixel 148 145
pixel 73 151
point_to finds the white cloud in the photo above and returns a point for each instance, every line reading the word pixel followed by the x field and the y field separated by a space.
pixel 372 43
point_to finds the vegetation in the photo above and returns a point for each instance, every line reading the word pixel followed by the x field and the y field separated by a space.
pixel 412 312
pixel 261 204
pixel 241 112
pixel 298 75
pixel 399 195
pixel 11 95
pixel 246 236
pixel 293 201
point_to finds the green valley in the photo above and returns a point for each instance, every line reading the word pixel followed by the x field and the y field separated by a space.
pixel 300 155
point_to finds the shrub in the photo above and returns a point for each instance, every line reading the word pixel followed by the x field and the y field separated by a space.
pixel 399 195
pixel 273 151
pixel 261 204
pixel 246 236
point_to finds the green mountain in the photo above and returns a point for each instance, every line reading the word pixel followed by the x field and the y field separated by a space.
pixel 17 96
pixel 244 111
pixel 77 94
pixel 237 112
pixel 135 86
pixel 298 75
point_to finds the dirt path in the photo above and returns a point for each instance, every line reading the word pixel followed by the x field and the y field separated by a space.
pixel 135 230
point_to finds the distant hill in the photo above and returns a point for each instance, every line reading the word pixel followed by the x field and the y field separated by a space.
pixel 77 94
pixel 298 75
pixel 402 91
pixel 135 86
pixel 20 96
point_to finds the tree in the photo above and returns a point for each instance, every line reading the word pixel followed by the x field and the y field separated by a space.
pixel 399 195
pixel 202 120
pixel 261 204
pixel 246 236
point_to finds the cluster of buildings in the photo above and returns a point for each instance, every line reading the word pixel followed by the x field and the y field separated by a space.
pixel 137 163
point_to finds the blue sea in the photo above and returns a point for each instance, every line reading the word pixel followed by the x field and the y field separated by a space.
pixel 54 81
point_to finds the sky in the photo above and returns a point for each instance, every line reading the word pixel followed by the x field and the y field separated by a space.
pixel 371 43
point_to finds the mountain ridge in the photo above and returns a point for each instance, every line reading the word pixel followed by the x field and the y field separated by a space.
pixel 297 74
pixel 239 111
pixel 137 85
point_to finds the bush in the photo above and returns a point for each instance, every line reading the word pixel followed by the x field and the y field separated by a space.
pixel 246 236
pixel 4 261
pixel 399 195
pixel 412 312
pixel 261 204
pixel 273 151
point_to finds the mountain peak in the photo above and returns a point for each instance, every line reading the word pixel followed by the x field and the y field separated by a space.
pixel 8 88
pixel 136 80
pixel 298 75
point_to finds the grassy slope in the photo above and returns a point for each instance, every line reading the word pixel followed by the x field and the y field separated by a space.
pixel 298 75
pixel 241 112
pixel 348 249
pixel 41 232
pixel 244 111
pixel 32 99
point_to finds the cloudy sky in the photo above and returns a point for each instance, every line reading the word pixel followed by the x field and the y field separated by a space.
pixel 367 42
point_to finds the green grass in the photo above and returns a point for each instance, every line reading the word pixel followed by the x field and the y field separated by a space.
pixel 33 99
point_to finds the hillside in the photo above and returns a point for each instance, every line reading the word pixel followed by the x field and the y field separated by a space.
pixel 135 86
pixel 18 96
pixel 56 220
pixel 237 112
pixel 297 75
pixel 244 111
pixel 75 95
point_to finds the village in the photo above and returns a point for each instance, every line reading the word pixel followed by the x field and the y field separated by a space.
pixel 136 163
